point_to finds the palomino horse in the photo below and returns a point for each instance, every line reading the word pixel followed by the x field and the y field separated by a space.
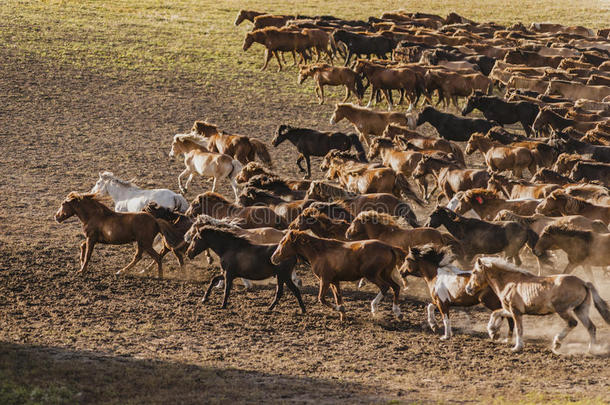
pixel 202 162
pixel 369 122
pixel 584 248
pixel 239 147
pixel 326 75
pixel 446 284
pixel 366 179
pixel 499 157
pixel 253 169
pixel 487 204
pixel 128 197
pixel 103 225
pixel 216 206
pixel 241 258
pixel 482 237
pixel 310 142
pixel 333 261
pixel 522 293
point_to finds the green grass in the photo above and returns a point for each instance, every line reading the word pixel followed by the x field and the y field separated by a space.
pixel 159 40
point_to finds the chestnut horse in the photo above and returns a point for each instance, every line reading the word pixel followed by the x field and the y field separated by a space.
pixel 103 225
pixel 446 285
pixel 487 204
pixel 499 157
pixel 333 261
pixel 320 224
pixel 216 206
pixel 241 258
pixel 241 148
pixel 522 293
pixel 326 75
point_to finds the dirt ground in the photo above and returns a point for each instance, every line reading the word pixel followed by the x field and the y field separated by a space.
pixel 132 339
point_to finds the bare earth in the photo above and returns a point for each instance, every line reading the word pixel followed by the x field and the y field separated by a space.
pixel 101 338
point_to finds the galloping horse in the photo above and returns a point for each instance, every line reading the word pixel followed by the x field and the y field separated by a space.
pixel 198 160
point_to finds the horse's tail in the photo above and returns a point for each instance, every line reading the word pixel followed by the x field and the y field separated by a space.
pixel 173 237
pixel 602 306
pixel 236 167
pixel 401 185
pixel 353 138
pixel 261 151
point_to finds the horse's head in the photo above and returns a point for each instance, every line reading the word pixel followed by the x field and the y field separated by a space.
pixel 280 135
pixel 478 279
pixel 356 230
pixel 305 219
pixel 473 143
pixel 465 204
pixel 545 242
pixel 304 72
pixel 375 148
pixel 423 116
pixel 66 209
pixel 338 114
pixel 248 41
pixel 100 185
pixel 196 241
pixel 285 248
pixel 420 170
pixel 472 102
pixel 241 17
pixel 196 207
pixel 438 216
pixel 550 206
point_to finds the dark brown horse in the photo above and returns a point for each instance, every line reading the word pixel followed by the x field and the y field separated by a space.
pixel 241 258
pixel 103 225
pixel 253 169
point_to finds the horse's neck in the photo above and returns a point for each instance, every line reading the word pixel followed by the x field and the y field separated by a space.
pixel 120 192
pixel 484 145
pixel 454 227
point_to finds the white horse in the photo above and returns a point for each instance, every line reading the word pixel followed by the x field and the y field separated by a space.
pixel 199 160
pixel 128 197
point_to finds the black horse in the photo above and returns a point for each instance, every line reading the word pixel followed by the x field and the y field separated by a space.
pixel 361 44
pixel 503 112
pixel 453 127
pixel 310 142
pixel 241 258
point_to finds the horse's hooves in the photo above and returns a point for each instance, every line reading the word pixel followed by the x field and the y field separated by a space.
pixel 118 273
pixel 516 349
pixel 443 338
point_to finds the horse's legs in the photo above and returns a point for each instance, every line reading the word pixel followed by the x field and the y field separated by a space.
pixel 569 268
pixel 395 302
pixel 387 98
pixel 279 290
pixel 163 252
pixel 349 55
pixel 494 322
pixel 136 258
pixel 299 160
pixel 184 172
pixel 518 318
pixel 234 187
pixel 431 319
pixel 83 246
pixel 446 322
pixel 156 257
pixel 589 272
pixel 268 56
pixel 582 312
pixel 336 288
pixel 322 93
pixel 571 324
pixel 294 58
pixel 89 243
pixel 375 302
pixel 209 289
pixel 372 96
pixel 214 184
pixel 279 69
pixel 228 285
pixel 307 160
pixel 296 292
pixel 324 285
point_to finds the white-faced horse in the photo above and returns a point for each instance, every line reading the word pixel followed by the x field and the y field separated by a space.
pixel 128 197
pixel 198 160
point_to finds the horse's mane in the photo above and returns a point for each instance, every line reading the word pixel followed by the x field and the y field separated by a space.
pixel 213 196
pixel 110 176
pixel 313 212
pixel 194 138
pixel 381 218
pixel 199 125
pixel 252 166
pixel 567 230
pixel 253 193
pixel 343 155
pixel 225 223
pixel 95 198
pixel 431 253
pixel 503 264
pixel 262 181
pixel 227 231
pixel 385 142
pixel 481 193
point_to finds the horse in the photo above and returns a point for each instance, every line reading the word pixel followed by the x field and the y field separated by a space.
pixel 560 203
pixel 487 204
pixel 326 75
pixel 103 225
pixel 537 222
pixel 446 285
pixel 216 206
pixel 368 122
pixel 405 135
pixel 251 196
pixel 361 44
pixel 275 186
pixel 128 197
pixel 246 15
pixel 393 231
pixel 241 148
pixel 499 157
pixel 380 202
pixel 431 166
pixel 310 142
pixel 547 118
pixel 241 258
pixel 202 162
pixel 502 112
pixel 253 169
pixel 320 224
pixel 482 237
pixel 584 248
pixel 452 127
pixel 333 261
pixel 364 179
pixel 277 40
pixel 384 79
pixel 522 293
pixel 519 188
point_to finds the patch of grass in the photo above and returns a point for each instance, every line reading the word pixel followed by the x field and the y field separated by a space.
pixel 21 394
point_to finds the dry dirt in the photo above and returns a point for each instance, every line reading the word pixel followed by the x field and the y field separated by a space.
pixel 101 338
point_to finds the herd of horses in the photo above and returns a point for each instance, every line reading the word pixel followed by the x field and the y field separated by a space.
pixel 541 192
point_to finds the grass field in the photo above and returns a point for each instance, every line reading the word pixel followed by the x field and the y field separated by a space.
pixel 102 85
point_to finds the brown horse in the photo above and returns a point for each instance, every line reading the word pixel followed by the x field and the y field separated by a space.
pixel 584 248
pixel 289 210
pixel 431 166
pixel 103 225
pixel 446 285
pixel 320 224
pixel 519 188
pixel 241 148
pixel 499 157
pixel 385 79
pixel 277 40
pixel 326 75
pixel 216 206
pixel 246 15
pixel 560 203
pixel 406 135
pixel 275 186
pixel 255 169
pixel 537 222
pixel 487 204
pixel 368 122
pixel 333 261
pixel 522 293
